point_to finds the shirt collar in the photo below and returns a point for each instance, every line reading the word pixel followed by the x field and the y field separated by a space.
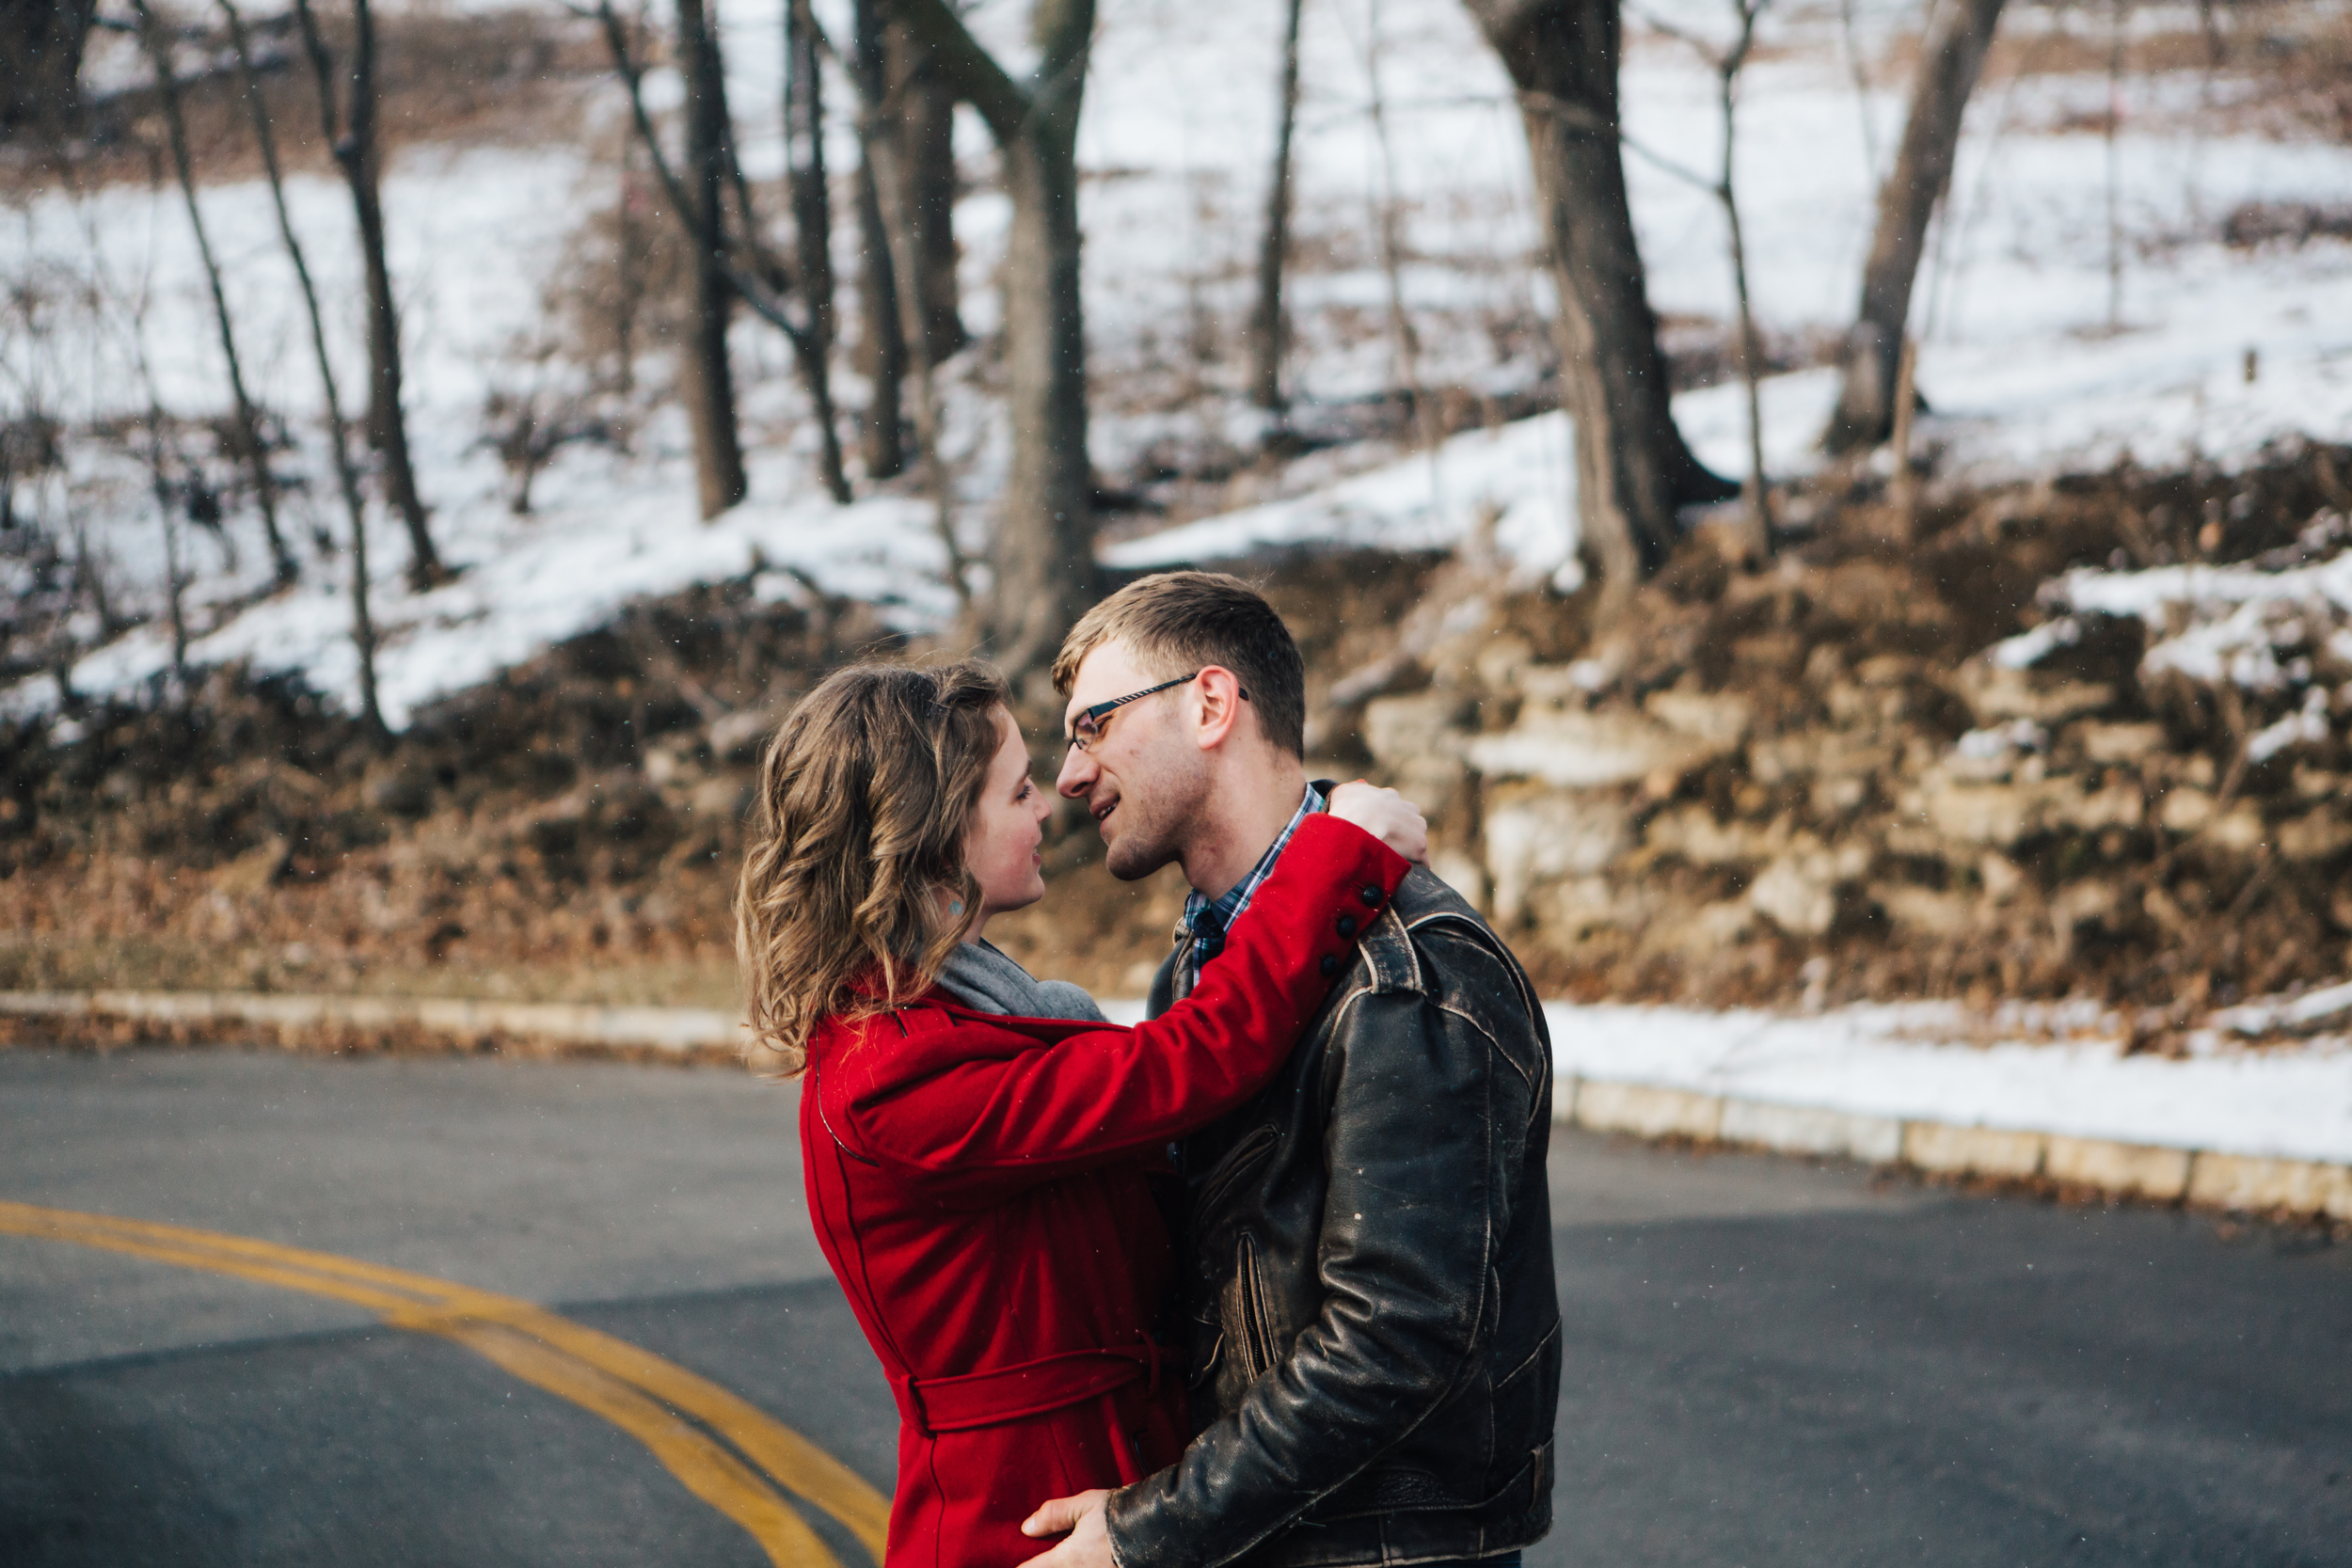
pixel 1207 920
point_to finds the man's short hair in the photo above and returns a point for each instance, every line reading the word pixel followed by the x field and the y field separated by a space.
pixel 1175 623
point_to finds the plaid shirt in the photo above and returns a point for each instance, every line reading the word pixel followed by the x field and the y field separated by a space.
pixel 1208 919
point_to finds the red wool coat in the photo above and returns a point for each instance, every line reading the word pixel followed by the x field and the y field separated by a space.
pixel 979 1184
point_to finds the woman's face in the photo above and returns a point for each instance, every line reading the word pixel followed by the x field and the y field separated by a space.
pixel 1001 846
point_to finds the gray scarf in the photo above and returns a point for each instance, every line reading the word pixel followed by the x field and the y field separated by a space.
pixel 984 978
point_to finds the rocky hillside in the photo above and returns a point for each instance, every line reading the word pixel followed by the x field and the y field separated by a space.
pixel 2078 741
pixel 2085 741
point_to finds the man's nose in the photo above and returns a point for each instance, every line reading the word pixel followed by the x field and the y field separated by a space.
pixel 1078 774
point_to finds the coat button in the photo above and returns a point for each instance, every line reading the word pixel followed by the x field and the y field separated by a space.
pixel 1347 925
pixel 1331 965
pixel 1369 896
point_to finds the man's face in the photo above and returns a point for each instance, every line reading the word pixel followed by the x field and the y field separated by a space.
pixel 1144 777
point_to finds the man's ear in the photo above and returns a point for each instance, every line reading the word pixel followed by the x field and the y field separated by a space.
pixel 1216 695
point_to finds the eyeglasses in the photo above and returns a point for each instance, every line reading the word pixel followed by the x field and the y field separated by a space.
pixel 1086 729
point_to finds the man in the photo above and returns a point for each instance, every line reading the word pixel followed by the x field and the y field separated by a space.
pixel 1375 1356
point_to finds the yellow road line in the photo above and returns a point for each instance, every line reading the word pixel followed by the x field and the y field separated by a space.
pixel 597 1371
pixel 784 1453
pixel 708 1470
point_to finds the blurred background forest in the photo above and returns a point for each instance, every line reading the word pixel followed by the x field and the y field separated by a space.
pixel 1820 499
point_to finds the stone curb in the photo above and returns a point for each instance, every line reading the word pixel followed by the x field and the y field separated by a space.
pixel 2205 1177
pixel 679 1029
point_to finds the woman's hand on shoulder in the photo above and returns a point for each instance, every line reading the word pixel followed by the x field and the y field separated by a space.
pixel 1386 815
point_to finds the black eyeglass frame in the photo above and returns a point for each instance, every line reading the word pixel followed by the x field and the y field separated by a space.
pixel 1095 716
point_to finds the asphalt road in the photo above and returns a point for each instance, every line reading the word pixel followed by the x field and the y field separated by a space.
pixel 1768 1363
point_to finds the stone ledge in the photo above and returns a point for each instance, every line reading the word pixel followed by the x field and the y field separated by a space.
pixel 2249 1182
pixel 2207 1178
pixel 1647 1111
pixel 678 1029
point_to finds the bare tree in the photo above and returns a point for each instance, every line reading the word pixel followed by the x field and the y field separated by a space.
pixel 167 506
pixel 881 339
pixel 1728 63
pixel 1858 67
pixel 1633 468
pixel 359 156
pixel 897 195
pixel 1043 555
pixel 1950 59
pixel 338 428
pixel 41 63
pixel 252 449
pixel 812 214
pixel 922 117
pixel 1387 226
pixel 2119 29
pixel 1274 237
pixel 709 378
pixel 159 463
pixel 738 264
pixel 913 315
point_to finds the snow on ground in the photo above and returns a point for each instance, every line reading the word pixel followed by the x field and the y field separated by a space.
pixel 1520 475
pixel 2268 631
pixel 2032 363
pixel 1917 1061
pixel 549 577
pixel 1892 1061
pixel 2226 622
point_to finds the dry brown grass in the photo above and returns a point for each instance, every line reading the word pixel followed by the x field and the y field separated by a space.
pixel 503 78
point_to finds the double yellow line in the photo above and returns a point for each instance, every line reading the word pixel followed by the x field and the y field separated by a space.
pixel 656 1402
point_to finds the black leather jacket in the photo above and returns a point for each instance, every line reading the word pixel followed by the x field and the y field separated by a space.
pixel 1376 1332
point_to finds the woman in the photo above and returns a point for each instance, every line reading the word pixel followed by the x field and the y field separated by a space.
pixel 978 1146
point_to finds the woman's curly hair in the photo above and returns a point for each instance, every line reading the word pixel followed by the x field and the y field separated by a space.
pixel 865 796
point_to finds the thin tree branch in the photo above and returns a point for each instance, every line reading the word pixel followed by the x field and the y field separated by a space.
pixel 765 300
pixel 248 423
pixel 347 474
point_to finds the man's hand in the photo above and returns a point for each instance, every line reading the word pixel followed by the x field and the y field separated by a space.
pixel 1386 815
pixel 1090 1543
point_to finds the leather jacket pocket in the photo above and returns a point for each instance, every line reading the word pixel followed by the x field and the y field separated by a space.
pixel 1252 1333
pixel 1248 1152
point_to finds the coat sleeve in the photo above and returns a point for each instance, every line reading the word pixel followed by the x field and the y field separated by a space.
pixel 987 1102
pixel 1410 1222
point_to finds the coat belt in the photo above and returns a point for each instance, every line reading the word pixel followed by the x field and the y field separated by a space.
pixel 972 1400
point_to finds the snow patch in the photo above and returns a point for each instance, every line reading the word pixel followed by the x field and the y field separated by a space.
pixel 1885 1061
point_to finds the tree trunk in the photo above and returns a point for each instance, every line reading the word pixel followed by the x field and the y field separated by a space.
pixel 362 161
pixel 1950 59
pixel 882 344
pixel 363 154
pixel 812 225
pixel 254 455
pixel 1755 487
pixel 881 340
pixel 922 117
pixel 338 431
pixel 1042 556
pixel 41 64
pixel 710 383
pixel 1633 469
pixel 1043 553
pixel 1265 319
